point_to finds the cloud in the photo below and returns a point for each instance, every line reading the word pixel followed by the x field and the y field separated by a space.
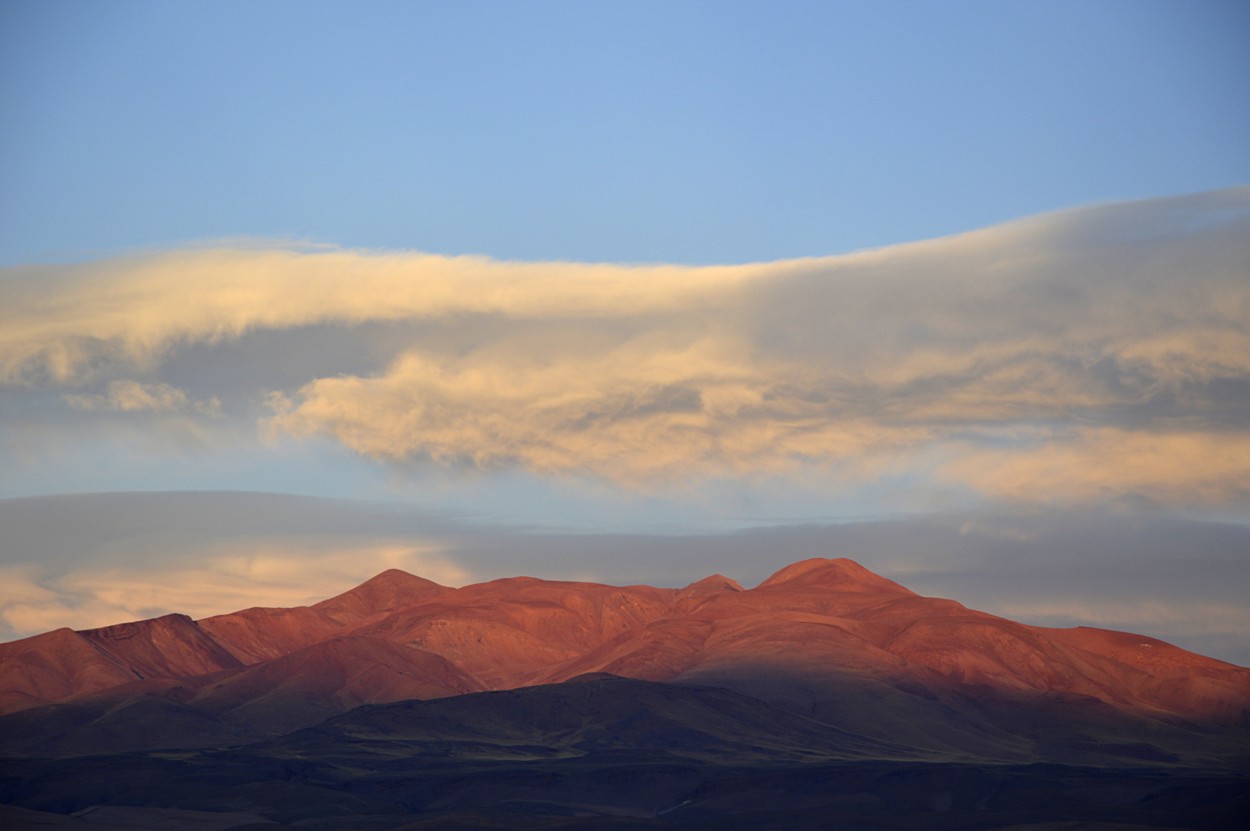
pixel 129 396
pixel 1183 468
pixel 230 574
pixel 633 413
pixel 60 324
pixel 1001 531
pixel 88 560
pixel 1190 619
pixel 1101 352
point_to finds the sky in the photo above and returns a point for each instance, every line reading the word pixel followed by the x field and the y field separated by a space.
pixel 291 293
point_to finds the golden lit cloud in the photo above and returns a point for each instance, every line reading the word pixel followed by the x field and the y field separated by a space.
pixel 230 575
pixel 1095 352
pixel 1180 468
pixel 129 396
pixel 62 323
pixel 628 414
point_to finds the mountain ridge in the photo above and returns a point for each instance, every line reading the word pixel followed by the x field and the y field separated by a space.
pixel 825 637
pixel 826 691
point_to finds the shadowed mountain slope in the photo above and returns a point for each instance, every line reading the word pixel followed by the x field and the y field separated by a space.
pixel 599 753
pixel 825 638
pixel 326 678
pixel 825 692
pixel 596 713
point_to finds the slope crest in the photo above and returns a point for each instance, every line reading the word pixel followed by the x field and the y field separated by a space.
pixel 260 633
pixel 713 583
pixel 170 646
pixel 392 589
pixel 52 666
pixel 842 574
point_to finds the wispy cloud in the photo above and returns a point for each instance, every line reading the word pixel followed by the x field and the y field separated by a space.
pixel 1098 352
pixel 129 396
pixel 229 574
pixel 63 324
pixel 1178 466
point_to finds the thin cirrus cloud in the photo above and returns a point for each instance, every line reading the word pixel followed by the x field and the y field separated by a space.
pixel 1093 353
pixel 129 396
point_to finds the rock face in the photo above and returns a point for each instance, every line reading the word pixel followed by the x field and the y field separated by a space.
pixel 173 646
pixel 54 666
pixel 824 637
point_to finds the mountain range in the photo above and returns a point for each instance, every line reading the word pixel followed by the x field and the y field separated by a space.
pixel 826 691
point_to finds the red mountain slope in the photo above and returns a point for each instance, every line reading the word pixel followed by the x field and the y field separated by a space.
pixel 392 589
pixel 53 666
pixel 172 646
pixel 508 631
pixel 830 619
pixel 261 634
pixel 825 635
pixel 65 664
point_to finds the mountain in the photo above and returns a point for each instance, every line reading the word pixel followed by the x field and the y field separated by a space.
pixel 600 752
pixel 54 666
pixel 64 664
pixel 507 632
pixel 172 646
pixel 817 631
pixel 695 693
pixel 258 634
pixel 390 590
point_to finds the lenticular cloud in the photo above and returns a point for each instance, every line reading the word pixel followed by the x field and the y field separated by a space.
pixel 1094 352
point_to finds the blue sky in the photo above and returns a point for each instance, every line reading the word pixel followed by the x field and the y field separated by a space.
pixel 477 289
pixel 622 132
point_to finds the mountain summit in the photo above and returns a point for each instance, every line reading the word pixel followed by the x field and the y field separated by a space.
pixel 827 691
pixel 839 574
pixel 825 637
pixel 383 592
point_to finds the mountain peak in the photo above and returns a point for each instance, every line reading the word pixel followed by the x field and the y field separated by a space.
pixel 388 590
pixel 399 580
pixel 715 582
pixel 394 576
pixel 841 573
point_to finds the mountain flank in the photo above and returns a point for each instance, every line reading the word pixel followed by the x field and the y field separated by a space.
pixel 825 622
pixel 524 703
